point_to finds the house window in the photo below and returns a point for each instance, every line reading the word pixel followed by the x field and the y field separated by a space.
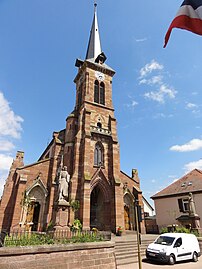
pixel 99 93
pixel 98 155
pixel 183 205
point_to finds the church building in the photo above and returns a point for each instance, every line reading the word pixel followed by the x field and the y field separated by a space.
pixel 78 175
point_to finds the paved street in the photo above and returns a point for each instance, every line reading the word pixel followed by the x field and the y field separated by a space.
pixel 150 265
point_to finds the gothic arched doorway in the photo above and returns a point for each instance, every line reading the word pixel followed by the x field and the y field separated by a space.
pixel 35 218
pixel 99 209
pixel 129 214
pixel 127 217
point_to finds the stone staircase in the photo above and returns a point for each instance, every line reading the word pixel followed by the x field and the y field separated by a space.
pixel 126 250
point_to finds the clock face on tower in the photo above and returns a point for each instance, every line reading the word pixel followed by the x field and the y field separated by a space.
pixel 99 75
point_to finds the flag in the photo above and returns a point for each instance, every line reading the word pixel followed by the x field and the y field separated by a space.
pixel 189 17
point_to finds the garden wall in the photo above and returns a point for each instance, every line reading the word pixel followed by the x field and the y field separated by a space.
pixel 96 255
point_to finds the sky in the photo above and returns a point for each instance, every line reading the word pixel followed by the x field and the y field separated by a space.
pixel 157 92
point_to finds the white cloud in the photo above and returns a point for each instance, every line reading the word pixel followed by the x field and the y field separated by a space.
pixel 191 106
pixel 162 115
pixel 161 94
pixel 162 91
pixel 172 176
pixel 6 145
pixel 148 68
pixel 10 123
pixel 10 129
pixel 5 161
pixel 141 39
pixel 132 104
pixel 193 165
pixel 192 145
pixel 3 176
pixel 152 81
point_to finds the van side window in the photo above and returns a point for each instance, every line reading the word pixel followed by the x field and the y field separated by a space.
pixel 178 243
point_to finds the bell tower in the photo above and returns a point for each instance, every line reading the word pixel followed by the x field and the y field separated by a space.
pixel 92 141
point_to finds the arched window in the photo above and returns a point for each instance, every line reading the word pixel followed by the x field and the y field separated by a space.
pixel 99 125
pixel 96 92
pixel 102 93
pixel 99 93
pixel 99 155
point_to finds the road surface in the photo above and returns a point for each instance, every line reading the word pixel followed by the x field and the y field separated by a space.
pixel 152 265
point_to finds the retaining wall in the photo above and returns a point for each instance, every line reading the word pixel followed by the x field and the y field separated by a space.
pixel 97 255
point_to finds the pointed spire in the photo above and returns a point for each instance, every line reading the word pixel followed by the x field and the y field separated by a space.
pixel 94 45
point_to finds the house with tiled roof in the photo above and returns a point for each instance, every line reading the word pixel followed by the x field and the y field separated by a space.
pixel 180 202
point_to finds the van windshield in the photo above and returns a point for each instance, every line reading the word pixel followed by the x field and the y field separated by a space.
pixel 164 240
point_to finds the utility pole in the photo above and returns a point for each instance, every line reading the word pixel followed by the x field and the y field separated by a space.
pixel 138 235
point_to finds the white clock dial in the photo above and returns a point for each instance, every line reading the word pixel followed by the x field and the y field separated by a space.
pixel 99 75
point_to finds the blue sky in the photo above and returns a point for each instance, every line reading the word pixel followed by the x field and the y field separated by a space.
pixel 156 92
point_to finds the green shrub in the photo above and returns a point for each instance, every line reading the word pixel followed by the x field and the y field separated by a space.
pixel 182 230
pixel 28 240
pixel 32 239
pixel 164 230
pixel 76 226
pixel 176 229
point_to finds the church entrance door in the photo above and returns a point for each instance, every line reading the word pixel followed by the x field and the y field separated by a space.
pixel 36 216
pixel 97 209
pixel 127 217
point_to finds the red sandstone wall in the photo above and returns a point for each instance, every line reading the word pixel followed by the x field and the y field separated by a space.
pixel 79 256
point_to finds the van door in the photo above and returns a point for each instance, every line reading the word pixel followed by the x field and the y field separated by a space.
pixel 181 249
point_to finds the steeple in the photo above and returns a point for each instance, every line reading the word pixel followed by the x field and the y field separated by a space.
pixel 94 45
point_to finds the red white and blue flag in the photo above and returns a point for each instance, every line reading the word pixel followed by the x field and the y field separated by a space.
pixel 189 17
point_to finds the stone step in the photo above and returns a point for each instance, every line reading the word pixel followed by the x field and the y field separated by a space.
pixel 130 248
pixel 133 242
pixel 128 255
pixel 126 251
pixel 128 260
pixel 131 245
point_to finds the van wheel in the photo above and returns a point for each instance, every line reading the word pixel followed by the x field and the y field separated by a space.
pixel 195 257
pixel 171 260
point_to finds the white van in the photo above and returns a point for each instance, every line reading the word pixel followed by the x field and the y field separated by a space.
pixel 173 247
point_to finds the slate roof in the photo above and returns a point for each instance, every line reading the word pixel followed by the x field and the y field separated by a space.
pixel 191 182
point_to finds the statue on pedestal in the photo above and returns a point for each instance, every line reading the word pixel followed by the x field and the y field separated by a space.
pixel 64 179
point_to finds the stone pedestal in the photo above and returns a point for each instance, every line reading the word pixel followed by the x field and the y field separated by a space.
pixel 195 221
pixel 62 215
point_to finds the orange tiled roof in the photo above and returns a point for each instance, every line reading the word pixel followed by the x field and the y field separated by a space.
pixel 190 182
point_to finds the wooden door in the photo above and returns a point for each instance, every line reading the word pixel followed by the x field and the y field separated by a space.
pixel 127 217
